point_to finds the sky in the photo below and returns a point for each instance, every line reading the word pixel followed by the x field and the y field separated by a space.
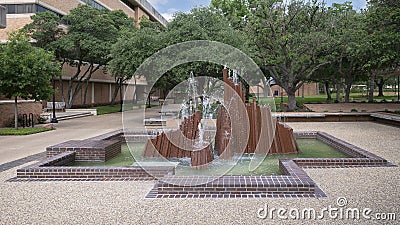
pixel 167 8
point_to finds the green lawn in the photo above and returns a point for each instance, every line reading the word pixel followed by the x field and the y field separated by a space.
pixel 354 97
pixel 101 110
pixel 23 131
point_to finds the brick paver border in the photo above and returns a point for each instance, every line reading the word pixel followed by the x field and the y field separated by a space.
pixel 295 183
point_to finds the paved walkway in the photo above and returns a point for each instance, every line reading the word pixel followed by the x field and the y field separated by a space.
pixel 124 202
pixel 16 147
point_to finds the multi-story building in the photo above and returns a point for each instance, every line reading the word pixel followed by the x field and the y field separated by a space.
pixel 18 12
pixel 14 14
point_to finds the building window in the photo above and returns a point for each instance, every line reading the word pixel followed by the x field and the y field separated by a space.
pixel 27 8
pixel 94 4
pixel 3 16
pixel 129 4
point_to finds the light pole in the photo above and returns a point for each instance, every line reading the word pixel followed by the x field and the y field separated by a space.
pixel 398 88
pixel 54 118
pixel 120 94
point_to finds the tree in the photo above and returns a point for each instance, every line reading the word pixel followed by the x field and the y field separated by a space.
pixel 237 11
pixel 130 51
pixel 26 71
pixel 199 24
pixel 383 22
pixel 202 24
pixel 87 44
pixel 291 41
pixel 45 29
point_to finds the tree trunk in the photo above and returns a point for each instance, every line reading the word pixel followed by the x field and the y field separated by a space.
pixel 135 93
pixel 292 100
pixel 16 113
pixel 116 90
pixel 371 88
pixel 338 86
pixel 148 101
pixel 347 95
pixel 328 92
pixel 380 86
pixel 120 94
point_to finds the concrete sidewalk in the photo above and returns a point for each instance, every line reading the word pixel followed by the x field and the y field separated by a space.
pixel 375 188
pixel 16 147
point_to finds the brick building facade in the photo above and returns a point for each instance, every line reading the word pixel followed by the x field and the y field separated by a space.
pixel 101 86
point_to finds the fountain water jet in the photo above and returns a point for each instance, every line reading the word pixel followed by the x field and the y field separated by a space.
pixel 265 135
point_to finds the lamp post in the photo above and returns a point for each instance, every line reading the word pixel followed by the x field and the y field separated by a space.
pixel 398 88
pixel 120 94
pixel 54 118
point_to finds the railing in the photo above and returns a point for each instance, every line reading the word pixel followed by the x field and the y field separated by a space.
pixel 151 10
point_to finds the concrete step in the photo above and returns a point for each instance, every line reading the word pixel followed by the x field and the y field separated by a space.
pixel 74 116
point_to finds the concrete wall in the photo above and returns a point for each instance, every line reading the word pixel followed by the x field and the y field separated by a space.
pixel 14 23
pixel 7 109
pixel 307 88
pixel 113 4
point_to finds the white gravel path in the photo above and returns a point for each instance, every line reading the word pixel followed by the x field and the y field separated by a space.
pixel 124 202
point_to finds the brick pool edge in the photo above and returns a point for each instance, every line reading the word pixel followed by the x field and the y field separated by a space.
pixel 294 183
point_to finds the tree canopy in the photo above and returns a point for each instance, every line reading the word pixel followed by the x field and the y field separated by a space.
pixel 26 71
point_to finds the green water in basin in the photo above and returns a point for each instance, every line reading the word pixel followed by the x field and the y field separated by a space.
pixel 310 148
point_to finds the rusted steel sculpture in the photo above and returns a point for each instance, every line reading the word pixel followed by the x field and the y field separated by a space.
pixel 181 143
pixel 247 126
pixel 259 141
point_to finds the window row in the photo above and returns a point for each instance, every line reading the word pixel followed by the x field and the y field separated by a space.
pixel 26 8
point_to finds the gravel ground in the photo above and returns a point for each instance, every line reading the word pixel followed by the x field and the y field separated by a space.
pixel 124 202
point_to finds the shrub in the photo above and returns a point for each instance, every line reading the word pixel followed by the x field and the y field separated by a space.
pixel 10 122
pixel 41 120
pixel 353 110
pixel 397 111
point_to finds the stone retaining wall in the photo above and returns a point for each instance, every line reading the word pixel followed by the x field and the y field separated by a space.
pixel 7 110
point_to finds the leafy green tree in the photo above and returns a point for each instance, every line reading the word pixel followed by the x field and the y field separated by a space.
pixel 291 41
pixel 383 21
pixel 199 24
pixel 350 41
pixel 26 71
pixel 87 44
pixel 202 24
pixel 45 29
pixel 237 11
pixel 130 51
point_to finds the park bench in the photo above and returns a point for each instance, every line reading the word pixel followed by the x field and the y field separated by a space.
pixel 58 106
pixel 154 122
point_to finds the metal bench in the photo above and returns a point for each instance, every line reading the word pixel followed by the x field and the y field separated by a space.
pixel 154 122
pixel 58 106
